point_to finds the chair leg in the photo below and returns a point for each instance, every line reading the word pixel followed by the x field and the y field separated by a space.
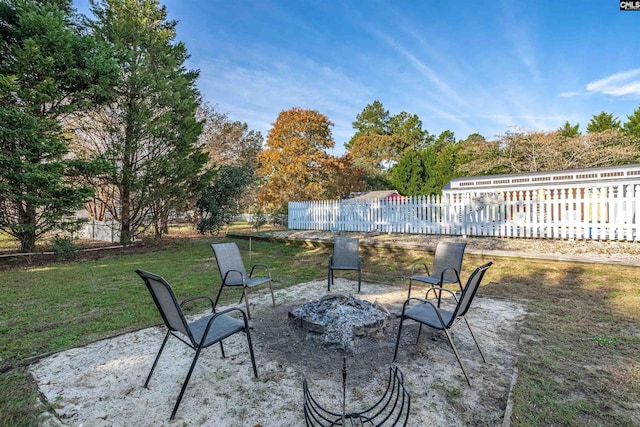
pixel 155 362
pixel 273 299
pixel 419 332
pixel 359 279
pixel 409 294
pixel 222 350
pixel 186 382
pixel 218 296
pixel 439 292
pixel 474 339
pixel 253 359
pixel 455 351
pixel 246 300
pixel 395 352
pixel 329 273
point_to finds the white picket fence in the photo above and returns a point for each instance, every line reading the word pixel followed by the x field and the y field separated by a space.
pixel 601 213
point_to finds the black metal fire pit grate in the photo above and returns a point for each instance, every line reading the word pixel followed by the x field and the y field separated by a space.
pixel 392 408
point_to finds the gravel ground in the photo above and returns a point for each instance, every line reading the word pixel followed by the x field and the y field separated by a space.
pixel 101 384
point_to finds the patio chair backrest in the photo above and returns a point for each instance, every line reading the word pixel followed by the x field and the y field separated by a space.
pixel 469 291
pixel 228 258
pixel 345 251
pixel 448 255
pixel 166 302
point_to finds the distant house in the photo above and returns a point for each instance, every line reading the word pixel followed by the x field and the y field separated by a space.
pixel 607 176
pixel 381 195
pixel 602 194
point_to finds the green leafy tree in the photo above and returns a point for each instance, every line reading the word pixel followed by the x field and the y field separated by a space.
pixel 221 200
pixel 407 133
pixel 603 121
pixel 427 171
pixel 369 145
pixel 632 126
pixel 49 70
pixel 373 120
pixel 569 131
pixel 447 158
pixel 447 137
pixel 381 140
pixel 150 133
pixel 410 175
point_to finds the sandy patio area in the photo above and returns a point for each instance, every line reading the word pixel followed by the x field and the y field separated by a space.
pixel 101 384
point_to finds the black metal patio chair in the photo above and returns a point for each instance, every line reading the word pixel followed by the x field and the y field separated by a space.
pixel 199 334
pixel 345 256
pixel 446 268
pixel 233 272
pixel 425 312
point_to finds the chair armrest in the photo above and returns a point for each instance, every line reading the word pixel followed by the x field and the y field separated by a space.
pixel 229 310
pixel 265 266
pixel 408 301
pixel 197 297
pixel 224 279
pixel 424 301
pixel 418 263
pixel 455 272
pixel 216 315
pixel 439 290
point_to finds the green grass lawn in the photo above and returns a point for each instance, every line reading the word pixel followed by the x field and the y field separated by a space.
pixel 580 362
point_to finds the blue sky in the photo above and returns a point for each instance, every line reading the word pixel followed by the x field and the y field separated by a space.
pixel 465 66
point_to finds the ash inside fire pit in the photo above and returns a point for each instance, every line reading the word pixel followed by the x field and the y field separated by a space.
pixel 338 319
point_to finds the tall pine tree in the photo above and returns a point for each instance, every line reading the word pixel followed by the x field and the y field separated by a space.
pixel 48 70
pixel 150 133
pixel 602 122
pixel 632 126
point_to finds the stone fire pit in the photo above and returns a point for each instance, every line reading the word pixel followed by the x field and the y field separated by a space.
pixel 337 319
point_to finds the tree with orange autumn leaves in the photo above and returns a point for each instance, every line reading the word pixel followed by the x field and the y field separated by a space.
pixel 295 165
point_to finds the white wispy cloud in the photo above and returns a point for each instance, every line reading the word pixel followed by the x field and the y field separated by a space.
pixel 257 88
pixel 517 26
pixel 619 84
pixel 570 94
pixel 433 77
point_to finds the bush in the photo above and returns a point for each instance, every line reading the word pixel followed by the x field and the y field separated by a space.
pixel 64 248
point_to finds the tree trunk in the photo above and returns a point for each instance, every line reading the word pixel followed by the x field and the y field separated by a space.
pixel 27 242
pixel 128 178
pixel 125 207
pixel 28 235
pixel 165 223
